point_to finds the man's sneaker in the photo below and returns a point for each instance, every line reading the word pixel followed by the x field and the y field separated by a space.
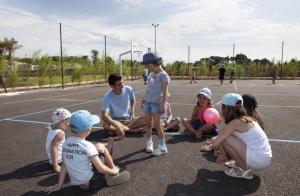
pixel 149 146
pixel 160 149
pixel 120 178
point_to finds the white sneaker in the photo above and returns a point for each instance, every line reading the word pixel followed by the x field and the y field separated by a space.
pixel 149 146
pixel 160 149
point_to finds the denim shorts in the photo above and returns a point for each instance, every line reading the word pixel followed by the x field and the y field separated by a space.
pixel 151 107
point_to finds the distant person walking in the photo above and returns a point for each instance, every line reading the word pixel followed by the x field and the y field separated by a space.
pixel 274 73
pixel 231 75
pixel 145 74
pixel 222 71
pixel 2 82
pixel 193 80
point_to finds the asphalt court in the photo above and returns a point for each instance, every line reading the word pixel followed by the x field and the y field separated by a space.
pixel 183 171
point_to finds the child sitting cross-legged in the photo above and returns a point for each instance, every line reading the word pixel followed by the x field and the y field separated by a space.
pixel 84 162
pixel 197 126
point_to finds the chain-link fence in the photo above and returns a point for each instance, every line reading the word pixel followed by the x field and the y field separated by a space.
pixel 38 52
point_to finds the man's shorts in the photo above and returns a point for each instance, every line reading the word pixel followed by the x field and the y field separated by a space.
pixel 151 107
pixel 124 120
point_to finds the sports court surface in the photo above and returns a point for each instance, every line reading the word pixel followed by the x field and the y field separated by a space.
pixel 185 170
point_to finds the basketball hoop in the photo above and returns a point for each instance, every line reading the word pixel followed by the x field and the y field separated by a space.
pixel 137 53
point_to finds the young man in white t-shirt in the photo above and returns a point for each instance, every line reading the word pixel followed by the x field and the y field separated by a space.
pixel 83 161
pixel 118 108
pixel 56 137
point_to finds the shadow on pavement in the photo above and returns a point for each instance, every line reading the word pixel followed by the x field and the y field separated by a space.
pixel 122 160
pixel 209 156
pixel 33 170
pixel 184 138
pixel 214 183
pixel 98 135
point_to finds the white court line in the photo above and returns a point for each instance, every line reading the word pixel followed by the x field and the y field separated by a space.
pixel 235 88
pixel 97 100
pixel 27 121
pixel 267 106
pixel 167 133
pixel 50 109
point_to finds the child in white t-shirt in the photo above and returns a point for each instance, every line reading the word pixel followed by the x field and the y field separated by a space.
pixel 56 137
pixel 85 162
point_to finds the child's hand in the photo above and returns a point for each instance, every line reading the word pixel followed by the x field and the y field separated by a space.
pixel 52 189
pixel 116 170
pixel 132 119
pixel 57 168
pixel 120 132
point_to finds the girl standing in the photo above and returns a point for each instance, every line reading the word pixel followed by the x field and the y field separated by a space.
pixel 155 98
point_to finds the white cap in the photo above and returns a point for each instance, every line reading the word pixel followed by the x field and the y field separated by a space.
pixel 206 92
pixel 59 115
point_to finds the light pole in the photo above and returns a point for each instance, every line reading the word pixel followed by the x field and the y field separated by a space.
pixel 155 26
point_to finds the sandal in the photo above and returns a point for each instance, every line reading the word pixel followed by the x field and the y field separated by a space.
pixel 239 173
pixel 231 164
pixel 207 148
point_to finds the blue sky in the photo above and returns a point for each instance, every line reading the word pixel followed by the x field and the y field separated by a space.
pixel 210 27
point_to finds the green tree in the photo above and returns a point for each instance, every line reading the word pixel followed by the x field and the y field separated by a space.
pixel 94 56
pixel 10 46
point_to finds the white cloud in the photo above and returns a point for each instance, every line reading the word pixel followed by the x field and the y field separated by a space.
pixel 208 26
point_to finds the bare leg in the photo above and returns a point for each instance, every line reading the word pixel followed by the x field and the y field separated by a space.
pixel 137 124
pixel 113 129
pixel 108 160
pixel 148 122
pixel 173 123
pixel 236 149
pixel 156 119
pixel 189 129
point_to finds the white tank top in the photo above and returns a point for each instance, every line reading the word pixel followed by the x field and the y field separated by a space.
pixel 256 140
pixel 50 137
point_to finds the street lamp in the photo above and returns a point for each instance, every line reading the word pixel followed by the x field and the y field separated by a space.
pixel 155 26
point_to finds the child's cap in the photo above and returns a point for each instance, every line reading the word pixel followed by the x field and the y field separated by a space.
pixel 249 101
pixel 232 99
pixel 82 120
pixel 149 58
pixel 206 92
pixel 59 115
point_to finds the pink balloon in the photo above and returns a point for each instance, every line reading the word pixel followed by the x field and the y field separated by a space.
pixel 211 116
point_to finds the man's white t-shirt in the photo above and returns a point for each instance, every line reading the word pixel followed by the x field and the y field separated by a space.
pixel 76 153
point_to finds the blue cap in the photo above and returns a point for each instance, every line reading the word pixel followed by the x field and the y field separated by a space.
pixel 231 99
pixel 149 58
pixel 82 120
